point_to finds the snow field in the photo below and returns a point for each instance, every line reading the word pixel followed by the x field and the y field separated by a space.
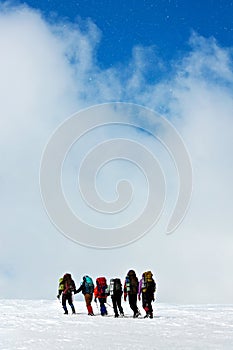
pixel 41 324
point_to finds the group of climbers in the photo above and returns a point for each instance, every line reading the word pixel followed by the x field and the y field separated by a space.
pixel 133 289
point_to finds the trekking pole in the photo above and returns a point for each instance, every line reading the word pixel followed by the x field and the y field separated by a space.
pixel 109 304
pixel 97 306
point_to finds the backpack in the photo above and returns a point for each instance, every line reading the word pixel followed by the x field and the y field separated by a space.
pixel 131 282
pixel 148 283
pixel 115 286
pixel 68 283
pixel 88 285
pixel 101 284
pixel 61 285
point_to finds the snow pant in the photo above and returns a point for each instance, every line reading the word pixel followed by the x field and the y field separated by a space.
pixel 147 304
pixel 103 309
pixel 88 300
pixel 65 298
pixel 133 303
pixel 116 303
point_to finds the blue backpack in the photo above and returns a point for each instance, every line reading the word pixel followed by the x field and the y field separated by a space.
pixel 88 285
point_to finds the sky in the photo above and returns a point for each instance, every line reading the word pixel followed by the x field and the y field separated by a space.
pixel 172 57
pixel 165 25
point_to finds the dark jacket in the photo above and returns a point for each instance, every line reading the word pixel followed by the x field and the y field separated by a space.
pixel 131 284
pixel 67 285
pixel 84 288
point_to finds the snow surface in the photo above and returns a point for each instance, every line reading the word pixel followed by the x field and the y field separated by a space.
pixel 41 324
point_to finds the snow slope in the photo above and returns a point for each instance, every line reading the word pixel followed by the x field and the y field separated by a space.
pixel 41 324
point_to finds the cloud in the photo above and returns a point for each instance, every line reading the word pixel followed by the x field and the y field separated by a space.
pixel 48 71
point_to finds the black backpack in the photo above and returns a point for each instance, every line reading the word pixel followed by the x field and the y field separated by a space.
pixel 115 286
pixel 131 282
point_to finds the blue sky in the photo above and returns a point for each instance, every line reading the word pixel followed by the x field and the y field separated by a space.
pixel 165 25
pixel 174 57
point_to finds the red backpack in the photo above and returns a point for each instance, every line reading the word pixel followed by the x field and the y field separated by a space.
pixel 101 284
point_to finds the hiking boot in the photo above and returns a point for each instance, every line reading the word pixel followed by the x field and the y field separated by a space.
pixel 136 314
pixel 65 310
pixel 151 315
pixel 73 309
pixel 90 314
pixel 122 314
pixel 116 316
pixel 147 315
pixel 104 313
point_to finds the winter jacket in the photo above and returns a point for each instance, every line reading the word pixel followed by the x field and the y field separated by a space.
pixel 83 289
pixel 131 276
pixel 140 287
pixel 67 285
pixel 149 293
pixel 98 295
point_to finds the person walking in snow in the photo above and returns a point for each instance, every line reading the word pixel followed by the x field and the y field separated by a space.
pixel 116 295
pixel 131 290
pixel 87 288
pixel 147 288
pixel 66 289
pixel 101 293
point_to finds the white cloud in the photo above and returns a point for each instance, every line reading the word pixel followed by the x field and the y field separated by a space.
pixel 48 71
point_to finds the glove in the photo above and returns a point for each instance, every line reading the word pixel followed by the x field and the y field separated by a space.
pixel 58 297
pixel 153 299
pixel 139 298
pixel 125 297
pixel 95 300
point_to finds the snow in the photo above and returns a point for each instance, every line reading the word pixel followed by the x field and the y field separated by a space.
pixel 41 324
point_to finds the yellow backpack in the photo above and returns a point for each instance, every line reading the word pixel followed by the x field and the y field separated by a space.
pixel 61 284
pixel 148 282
